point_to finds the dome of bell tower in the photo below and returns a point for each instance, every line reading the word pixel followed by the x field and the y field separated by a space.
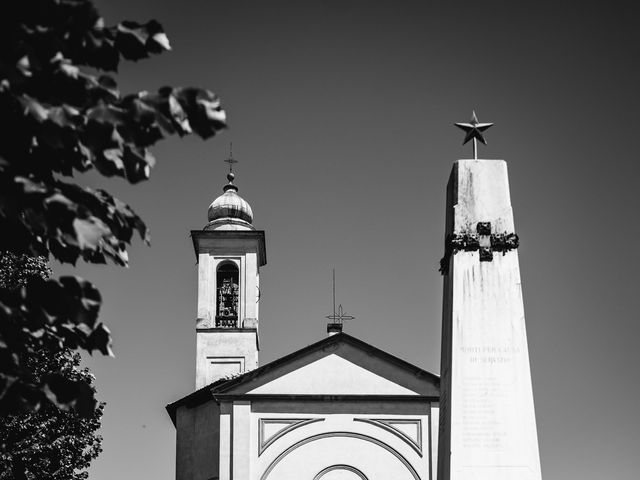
pixel 230 211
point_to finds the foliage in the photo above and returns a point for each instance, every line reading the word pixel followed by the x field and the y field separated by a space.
pixel 59 119
pixel 51 443
pixel 16 270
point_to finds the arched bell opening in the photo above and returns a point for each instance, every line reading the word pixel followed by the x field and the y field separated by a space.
pixel 227 295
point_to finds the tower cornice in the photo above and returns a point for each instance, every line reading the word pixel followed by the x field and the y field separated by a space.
pixel 205 239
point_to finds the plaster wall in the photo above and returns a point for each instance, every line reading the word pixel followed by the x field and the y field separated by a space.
pixel 197 442
pixel 241 441
pixel 225 439
pixel 224 352
pixel 434 427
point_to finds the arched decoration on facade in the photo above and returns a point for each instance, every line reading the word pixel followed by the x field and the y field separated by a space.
pixel 348 468
pixel 227 295
pixel 290 424
pixel 390 425
pixel 359 436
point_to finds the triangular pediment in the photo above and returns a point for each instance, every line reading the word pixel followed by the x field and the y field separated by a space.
pixel 332 375
pixel 337 365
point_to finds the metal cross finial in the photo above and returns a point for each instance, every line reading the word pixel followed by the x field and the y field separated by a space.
pixel 231 160
pixel 473 131
pixel 339 316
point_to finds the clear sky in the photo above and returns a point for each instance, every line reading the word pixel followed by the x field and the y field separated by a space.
pixel 341 116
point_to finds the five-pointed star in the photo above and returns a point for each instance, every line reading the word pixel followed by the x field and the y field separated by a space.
pixel 474 129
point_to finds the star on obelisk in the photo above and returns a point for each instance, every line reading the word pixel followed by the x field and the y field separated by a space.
pixel 473 131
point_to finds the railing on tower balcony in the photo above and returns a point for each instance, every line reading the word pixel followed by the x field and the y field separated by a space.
pixel 226 322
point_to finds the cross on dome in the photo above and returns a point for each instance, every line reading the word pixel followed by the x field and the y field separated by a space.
pixel 230 160
pixel 230 211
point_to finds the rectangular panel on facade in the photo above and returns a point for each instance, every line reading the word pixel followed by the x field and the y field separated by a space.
pixel 220 367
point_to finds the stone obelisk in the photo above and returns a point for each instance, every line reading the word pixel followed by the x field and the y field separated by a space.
pixel 487 418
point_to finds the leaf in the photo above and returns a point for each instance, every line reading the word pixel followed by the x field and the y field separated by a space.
pixel 69 395
pixel 161 39
pixel 110 162
pixel 100 340
pixel 203 109
pixel 69 69
pixel 101 135
pixel 34 109
pixel 65 116
pixel 107 114
pixel 84 293
pixel 24 66
pixel 90 232
pixel 178 115
pixel 136 41
pixel 138 163
pixel 31 187
pixel 108 84
pixel 98 50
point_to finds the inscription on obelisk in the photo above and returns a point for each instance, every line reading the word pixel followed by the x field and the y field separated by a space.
pixel 488 428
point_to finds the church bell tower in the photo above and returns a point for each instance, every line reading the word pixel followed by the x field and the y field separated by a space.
pixel 230 252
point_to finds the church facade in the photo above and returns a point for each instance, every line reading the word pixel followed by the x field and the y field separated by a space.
pixel 339 409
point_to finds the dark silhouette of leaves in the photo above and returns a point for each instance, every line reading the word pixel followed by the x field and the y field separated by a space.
pixel 41 315
pixel 62 113
pixel 56 442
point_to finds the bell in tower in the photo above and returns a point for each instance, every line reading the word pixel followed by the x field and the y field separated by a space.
pixel 227 280
pixel 230 252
